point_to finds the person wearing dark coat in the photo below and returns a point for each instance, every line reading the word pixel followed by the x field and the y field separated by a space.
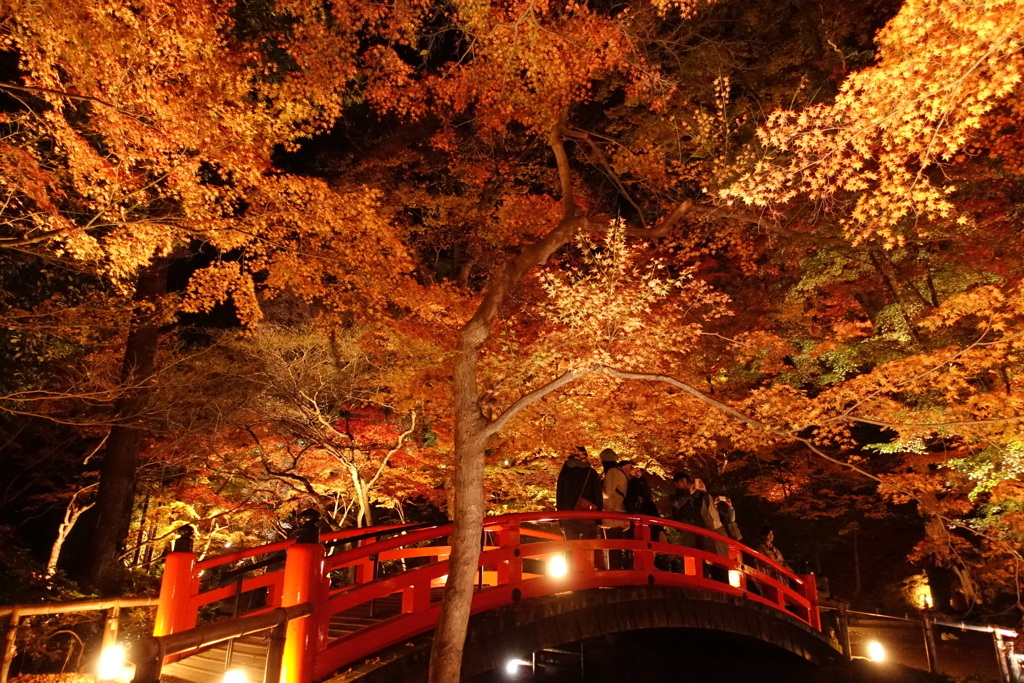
pixel 578 488
pixel 684 508
pixel 640 500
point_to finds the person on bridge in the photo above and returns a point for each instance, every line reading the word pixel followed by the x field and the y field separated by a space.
pixel 727 513
pixel 640 498
pixel 614 497
pixel 683 508
pixel 578 488
pixel 705 502
pixel 768 549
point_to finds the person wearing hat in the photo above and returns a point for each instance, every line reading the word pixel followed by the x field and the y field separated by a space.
pixel 614 498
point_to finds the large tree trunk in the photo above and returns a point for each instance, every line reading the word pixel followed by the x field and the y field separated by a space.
pixel 473 428
pixel 121 457
pixel 470 438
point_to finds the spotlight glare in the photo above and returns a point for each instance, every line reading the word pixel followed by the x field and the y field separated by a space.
pixel 111 662
pixel 512 666
pixel 876 653
pixel 235 676
pixel 557 566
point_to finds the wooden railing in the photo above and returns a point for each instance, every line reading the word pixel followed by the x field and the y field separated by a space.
pixel 112 606
pixel 513 565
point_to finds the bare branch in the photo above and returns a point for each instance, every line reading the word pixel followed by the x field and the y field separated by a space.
pixel 741 416
pixel 499 423
pixel 927 425
pixel 562 159
pixel 398 447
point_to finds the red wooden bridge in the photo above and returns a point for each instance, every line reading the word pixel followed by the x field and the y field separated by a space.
pixel 387 589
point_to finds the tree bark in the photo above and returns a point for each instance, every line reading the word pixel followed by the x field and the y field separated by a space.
pixel 118 471
pixel 72 512
pixel 473 428
pixel 365 517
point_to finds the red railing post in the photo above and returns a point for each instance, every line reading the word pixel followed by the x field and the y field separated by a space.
pixel 736 555
pixel 810 591
pixel 643 559
pixel 304 581
pixel 366 569
pixel 512 570
pixel 174 612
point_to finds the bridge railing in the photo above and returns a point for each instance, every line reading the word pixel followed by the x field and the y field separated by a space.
pixel 186 588
pixel 517 561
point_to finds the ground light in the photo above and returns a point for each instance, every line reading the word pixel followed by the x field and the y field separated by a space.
pixel 235 676
pixel 557 566
pixel 111 662
pixel 512 666
pixel 876 653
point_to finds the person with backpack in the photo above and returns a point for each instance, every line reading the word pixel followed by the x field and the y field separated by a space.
pixel 640 500
pixel 578 488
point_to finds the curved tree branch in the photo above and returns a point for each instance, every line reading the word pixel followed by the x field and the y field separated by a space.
pixel 554 385
pixel 741 416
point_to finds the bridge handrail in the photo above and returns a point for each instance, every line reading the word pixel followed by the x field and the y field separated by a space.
pixel 277 546
pixel 354 555
pixel 386 585
pixel 348 557
pixel 728 567
pixel 363 553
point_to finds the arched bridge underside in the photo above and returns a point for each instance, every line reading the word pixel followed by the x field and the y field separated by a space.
pixel 516 631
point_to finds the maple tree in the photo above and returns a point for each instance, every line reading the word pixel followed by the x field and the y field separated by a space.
pixel 125 146
pixel 685 231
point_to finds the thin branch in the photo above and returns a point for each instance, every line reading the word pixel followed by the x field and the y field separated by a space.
pixel 498 423
pixel 398 447
pixel 769 225
pixel 85 461
pixel 70 96
pixel 927 425
pixel 739 415
pixel 569 208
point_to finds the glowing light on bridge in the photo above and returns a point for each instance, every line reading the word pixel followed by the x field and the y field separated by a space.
pixel 235 676
pixel 876 653
pixel 512 667
pixel 557 566
pixel 734 578
pixel 111 662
